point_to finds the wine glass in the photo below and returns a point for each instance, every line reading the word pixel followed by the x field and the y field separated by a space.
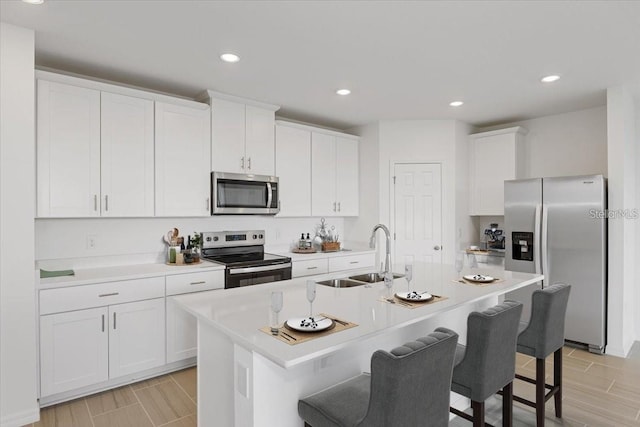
pixel 408 274
pixel 276 306
pixel 311 295
pixel 459 262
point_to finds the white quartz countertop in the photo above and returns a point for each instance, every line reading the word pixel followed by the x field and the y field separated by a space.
pixel 347 250
pixel 85 276
pixel 239 313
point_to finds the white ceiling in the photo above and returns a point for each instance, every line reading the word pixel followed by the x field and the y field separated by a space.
pixel 402 60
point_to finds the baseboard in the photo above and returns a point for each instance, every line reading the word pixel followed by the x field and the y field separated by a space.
pixel 21 418
pixel 620 351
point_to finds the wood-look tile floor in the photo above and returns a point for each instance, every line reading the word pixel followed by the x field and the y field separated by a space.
pixel 598 391
pixel 168 401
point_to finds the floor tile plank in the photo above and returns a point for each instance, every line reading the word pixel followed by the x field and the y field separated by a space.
pixel 165 402
pixel 188 380
pixel 71 414
pixel 130 416
pixel 110 400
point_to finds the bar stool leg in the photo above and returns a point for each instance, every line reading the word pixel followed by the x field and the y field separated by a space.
pixel 507 405
pixel 540 392
pixel 557 381
pixel 478 413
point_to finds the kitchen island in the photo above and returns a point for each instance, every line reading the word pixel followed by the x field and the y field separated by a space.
pixel 247 377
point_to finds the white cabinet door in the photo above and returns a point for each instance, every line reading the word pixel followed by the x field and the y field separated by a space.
pixel 347 176
pixel 73 350
pixel 126 156
pixel 182 333
pixel 68 150
pixel 183 160
pixel 136 336
pixel 293 168
pixel 260 142
pixel 228 136
pixel 323 175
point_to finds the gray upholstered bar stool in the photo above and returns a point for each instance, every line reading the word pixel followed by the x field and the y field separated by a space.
pixel 543 335
pixel 408 386
pixel 488 362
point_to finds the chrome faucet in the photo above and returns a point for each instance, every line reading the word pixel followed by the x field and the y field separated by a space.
pixel 372 245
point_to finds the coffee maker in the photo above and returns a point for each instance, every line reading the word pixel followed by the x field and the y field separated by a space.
pixel 495 237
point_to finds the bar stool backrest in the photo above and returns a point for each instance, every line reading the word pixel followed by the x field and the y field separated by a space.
pixel 490 356
pixel 410 384
pixel 545 332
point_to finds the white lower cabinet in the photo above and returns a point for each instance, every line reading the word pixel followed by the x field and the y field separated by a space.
pixel 136 337
pixel 85 347
pixel 182 333
pixel 74 350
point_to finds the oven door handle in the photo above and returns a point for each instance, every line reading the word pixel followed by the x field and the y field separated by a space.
pixel 273 267
pixel 269 195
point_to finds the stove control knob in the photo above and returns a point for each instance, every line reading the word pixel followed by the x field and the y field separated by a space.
pixel 215 238
pixel 208 239
pixel 255 236
pixel 261 236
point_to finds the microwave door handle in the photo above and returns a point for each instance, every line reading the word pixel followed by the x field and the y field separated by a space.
pixel 269 195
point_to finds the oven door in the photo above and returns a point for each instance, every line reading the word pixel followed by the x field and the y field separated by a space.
pixel 247 276
pixel 233 193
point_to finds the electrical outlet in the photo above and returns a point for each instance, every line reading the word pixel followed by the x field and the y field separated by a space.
pixel 92 241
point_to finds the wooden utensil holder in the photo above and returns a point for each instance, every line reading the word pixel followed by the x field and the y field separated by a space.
pixel 330 246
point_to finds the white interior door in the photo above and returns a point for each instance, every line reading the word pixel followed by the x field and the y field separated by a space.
pixel 417 213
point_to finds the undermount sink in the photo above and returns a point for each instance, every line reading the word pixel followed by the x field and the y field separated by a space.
pixel 372 277
pixel 341 283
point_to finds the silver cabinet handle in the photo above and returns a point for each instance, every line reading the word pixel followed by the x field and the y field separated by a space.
pixel 334 206
pixel 109 295
pixel 114 320
pixel 436 248
pixel 242 163
pixel 95 202
pixel 311 268
pixel 354 262
pixel 106 203
pixel 103 323
pixel 249 162
pixel 339 207
pixel 206 202
pixel 202 282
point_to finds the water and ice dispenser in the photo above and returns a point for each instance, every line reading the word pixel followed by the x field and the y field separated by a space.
pixel 522 245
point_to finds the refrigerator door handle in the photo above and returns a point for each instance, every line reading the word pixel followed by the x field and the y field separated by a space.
pixel 537 240
pixel 544 245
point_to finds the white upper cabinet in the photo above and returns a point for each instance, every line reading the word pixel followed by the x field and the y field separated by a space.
pixel 323 175
pixel 183 153
pixel 127 163
pixel 334 175
pixel 293 168
pixel 68 150
pixel 242 135
pixel 495 157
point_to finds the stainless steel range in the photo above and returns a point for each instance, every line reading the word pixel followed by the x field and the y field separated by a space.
pixel 242 252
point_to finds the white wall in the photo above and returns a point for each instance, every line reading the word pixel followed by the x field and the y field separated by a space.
pixel 132 240
pixel 566 144
pixel 622 162
pixel 18 393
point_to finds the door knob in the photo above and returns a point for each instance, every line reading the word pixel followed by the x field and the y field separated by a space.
pixel 436 248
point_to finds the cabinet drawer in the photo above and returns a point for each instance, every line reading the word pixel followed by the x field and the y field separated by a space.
pixel 100 294
pixel 195 282
pixel 309 268
pixel 351 262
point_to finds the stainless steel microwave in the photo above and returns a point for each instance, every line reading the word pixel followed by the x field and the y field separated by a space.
pixel 244 194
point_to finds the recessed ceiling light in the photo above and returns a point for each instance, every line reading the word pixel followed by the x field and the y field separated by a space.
pixel 33 1
pixel 229 57
pixel 456 103
pixel 343 92
pixel 549 79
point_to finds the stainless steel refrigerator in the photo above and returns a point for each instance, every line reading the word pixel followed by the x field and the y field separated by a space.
pixel 557 227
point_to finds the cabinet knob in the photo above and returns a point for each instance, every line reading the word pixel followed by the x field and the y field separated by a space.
pixel 249 163
pixel 242 163
pixel 106 203
pixel 436 248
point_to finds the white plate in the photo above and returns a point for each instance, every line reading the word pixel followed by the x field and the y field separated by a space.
pixel 415 296
pixel 304 324
pixel 480 278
